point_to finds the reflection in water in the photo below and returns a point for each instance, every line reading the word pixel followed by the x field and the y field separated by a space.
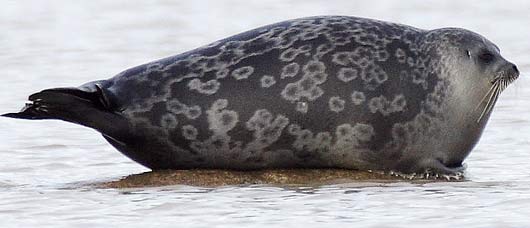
pixel 49 170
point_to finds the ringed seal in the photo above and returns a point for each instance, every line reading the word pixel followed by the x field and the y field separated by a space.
pixel 316 92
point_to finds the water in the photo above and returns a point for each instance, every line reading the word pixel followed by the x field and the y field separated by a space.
pixel 47 167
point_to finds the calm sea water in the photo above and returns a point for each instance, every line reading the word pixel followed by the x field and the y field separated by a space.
pixel 46 167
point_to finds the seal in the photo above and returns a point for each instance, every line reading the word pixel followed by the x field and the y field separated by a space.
pixel 317 92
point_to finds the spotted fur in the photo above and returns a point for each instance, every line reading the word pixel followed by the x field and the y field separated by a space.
pixel 329 91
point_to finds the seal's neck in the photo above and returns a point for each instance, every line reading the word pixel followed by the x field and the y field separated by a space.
pixel 462 116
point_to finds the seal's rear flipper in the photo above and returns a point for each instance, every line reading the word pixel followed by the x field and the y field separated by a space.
pixel 28 112
pixel 87 106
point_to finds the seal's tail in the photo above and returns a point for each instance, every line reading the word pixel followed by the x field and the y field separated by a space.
pixel 88 106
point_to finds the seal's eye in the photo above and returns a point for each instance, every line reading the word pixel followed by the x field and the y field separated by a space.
pixel 486 57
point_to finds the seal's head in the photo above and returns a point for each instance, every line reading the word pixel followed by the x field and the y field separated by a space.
pixel 469 73
pixel 476 66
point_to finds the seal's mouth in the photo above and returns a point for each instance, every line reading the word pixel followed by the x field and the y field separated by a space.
pixel 503 78
pixel 498 84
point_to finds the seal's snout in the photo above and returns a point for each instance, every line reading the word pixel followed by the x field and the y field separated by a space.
pixel 515 70
pixel 510 72
pixel 513 73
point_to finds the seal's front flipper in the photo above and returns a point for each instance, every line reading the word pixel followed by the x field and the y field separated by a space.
pixel 88 106
pixel 435 168
pixel 430 168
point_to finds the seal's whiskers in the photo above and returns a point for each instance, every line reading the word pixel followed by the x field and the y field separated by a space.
pixel 492 102
pixel 485 96
pixel 496 88
pixel 500 83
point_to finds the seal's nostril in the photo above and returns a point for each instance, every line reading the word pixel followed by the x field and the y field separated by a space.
pixel 514 67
